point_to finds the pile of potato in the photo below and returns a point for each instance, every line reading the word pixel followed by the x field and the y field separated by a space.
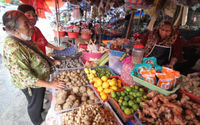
pixel 75 98
pixel 73 78
pixel 191 84
pixel 71 63
pixel 89 115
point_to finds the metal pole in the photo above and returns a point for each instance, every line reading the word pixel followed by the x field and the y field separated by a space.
pixel 138 23
pixel 130 24
pixel 57 20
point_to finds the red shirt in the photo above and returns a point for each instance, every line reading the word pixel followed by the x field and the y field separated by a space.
pixel 39 39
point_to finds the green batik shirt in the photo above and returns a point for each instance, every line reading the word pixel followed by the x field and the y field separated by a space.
pixel 25 66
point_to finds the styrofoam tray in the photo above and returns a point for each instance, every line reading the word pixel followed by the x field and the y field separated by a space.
pixel 53 75
pixel 66 110
pixel 106 104
pixel 63 69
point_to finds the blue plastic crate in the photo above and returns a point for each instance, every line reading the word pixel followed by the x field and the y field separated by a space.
pixel 69 51
pixel 109 37
pixel 115 52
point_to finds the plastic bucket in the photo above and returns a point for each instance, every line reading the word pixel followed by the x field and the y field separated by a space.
pixel 86 35
pixel 73 34
pixel 61 33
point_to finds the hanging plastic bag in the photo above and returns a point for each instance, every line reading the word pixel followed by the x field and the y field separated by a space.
pixel 115 64
pixel 125 74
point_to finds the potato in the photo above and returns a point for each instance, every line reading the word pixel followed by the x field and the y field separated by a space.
pixel 58 107
pixel 84 98
pixel 60 97
pixel 90 91
pixel 76 104
pixel 83 89
pixel 67 105
pixel 90 101
pixel 75 89
pixel 92 96
pixel 72 97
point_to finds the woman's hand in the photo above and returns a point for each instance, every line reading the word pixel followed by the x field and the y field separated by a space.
pixel 170 66
pixel 57 85
pixel 53 84
pixel 56 62
pixel 62 48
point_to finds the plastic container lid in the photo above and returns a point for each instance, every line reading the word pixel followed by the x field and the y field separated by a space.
pixel 138 46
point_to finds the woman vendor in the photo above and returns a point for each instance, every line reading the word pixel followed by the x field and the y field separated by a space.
pixel 37 36
pixel 28 66
pixel 164 44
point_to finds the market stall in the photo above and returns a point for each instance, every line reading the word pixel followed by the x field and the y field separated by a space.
pixel 113 82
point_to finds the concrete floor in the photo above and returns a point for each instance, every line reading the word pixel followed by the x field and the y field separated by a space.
pixel 12 102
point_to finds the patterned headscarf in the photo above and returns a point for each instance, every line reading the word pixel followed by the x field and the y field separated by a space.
pixel 154 37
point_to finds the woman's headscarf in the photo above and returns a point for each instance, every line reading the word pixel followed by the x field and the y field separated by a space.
pixel 154 37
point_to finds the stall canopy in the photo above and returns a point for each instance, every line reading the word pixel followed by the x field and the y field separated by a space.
pixel 42 6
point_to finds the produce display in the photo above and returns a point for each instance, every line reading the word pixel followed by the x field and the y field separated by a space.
pixel 169 110
pixel 103 60
pixel 70 63
pixel 151 72
pixel 75 98
pixel 92 47
pixel 98 72
pixel 101 80
pixel 118 44
pixel 105 85
pixel 89 115
pixel 72 78
pixel 103 72
pixel 191 85
pixel 129 99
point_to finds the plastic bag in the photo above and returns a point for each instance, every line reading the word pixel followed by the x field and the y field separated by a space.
pixel 166 81
pixel 140 67
pixel 153 62
pixel 115 64
pixel 149 76
pixel 125 74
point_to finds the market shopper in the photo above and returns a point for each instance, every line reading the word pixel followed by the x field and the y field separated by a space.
pixel 164 44
pixel 28 66
pixel 37 36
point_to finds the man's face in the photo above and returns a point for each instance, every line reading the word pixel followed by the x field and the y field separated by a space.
pixel 31 16
pixel 165 31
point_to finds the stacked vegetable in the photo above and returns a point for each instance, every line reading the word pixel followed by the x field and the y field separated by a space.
pixel 89 115
pixel 169 110
pixel 129 99
pixel 98 72
pixel 72 78
pixel 191 84
pixel 101 81
pixel 75 98
pixel 71 63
